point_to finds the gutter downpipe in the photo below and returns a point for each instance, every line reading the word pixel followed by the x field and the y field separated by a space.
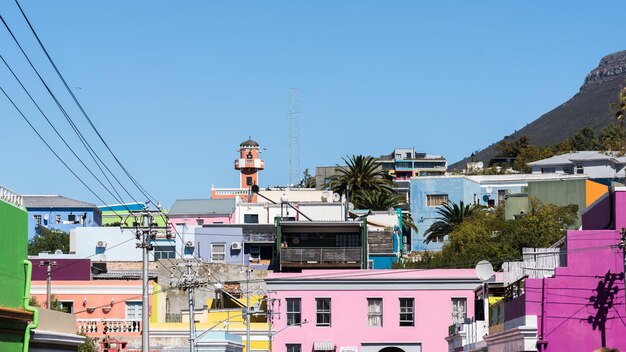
pixel 32 325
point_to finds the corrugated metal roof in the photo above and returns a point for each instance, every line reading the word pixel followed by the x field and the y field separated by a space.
pixel 54 201
pixel 202 207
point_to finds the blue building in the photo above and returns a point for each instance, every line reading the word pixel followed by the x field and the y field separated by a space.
pixel 59 213
pixel 428 193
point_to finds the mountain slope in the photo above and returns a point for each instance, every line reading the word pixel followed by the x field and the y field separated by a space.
pixel 588 108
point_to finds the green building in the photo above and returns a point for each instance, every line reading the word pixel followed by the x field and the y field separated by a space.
pixel 17 318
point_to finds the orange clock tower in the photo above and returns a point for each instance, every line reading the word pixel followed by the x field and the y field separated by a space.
pixel 249 163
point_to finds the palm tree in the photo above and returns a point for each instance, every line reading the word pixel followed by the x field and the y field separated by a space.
pixel 384 201
pixel 360 174
pixel 450 216
pixel 620 107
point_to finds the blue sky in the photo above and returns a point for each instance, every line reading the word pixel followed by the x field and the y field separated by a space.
pixel 174 87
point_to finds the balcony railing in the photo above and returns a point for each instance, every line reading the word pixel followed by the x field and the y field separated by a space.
pixel 11 197
pixel 94 327
pixel 258 237
pixel 327 255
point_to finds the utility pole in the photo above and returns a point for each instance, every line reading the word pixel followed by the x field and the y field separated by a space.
pixel 49 264
pixel 189 282
pixel 146 230
pixel 248 270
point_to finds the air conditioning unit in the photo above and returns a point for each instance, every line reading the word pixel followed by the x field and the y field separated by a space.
pixel 235 246
pixel 189 244
pixel 101 244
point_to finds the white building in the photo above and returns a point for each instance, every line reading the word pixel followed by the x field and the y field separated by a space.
pixel 596 165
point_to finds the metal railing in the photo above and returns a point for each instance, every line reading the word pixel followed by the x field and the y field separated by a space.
pixel 11 197
pixel 320 255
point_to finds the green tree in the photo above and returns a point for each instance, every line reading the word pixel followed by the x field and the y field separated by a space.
pixel 361 174
pixel 307 181
pixel 450 216
pixel 90 344
pixel 48 240
pixel 612 138
pixel 54 303
pixel 487 235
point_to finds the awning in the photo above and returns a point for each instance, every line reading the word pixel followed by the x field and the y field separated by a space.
pixel 323 346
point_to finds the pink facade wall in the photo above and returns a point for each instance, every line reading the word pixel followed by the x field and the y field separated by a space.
pixel 349 322
pixel 591 254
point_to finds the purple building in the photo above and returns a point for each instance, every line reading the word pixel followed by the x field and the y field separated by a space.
pixel 582 306
pixel 63 269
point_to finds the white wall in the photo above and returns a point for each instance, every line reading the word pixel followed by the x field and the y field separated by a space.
pixel 320 211
pixel 86 239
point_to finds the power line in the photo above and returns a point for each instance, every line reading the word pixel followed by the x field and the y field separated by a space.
pixel 141 189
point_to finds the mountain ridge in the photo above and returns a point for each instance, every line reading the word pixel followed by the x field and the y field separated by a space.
pixel 587 108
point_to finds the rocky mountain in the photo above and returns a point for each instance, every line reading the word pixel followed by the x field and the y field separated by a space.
pixel 588 108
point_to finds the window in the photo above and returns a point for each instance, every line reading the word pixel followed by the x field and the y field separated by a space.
pixel 200 222
pixel 218 252
pixel 255 253
pixel 375 312
pixel 348 240
pixel 459 310
pixel 293 347
pixel 435 200
pixel 58 219
pixel 248 181
pixel 133 310
pixel 323 311
pixel 580 169
pixel 67 306
pixel 250 218
pixel 293 311
pixel 501 196
pixel 548 170
pixel 406 312
pixel 567 170
pixel 163 252
pixel 71 218
pixel 37 220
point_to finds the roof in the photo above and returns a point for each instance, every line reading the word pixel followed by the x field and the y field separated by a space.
pixel 569 158
pixel 487 179
pixel 249 143
pixel 54 201
pixel 381 274
pixel 202 207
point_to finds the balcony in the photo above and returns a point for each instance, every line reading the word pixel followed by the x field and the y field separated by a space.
pixel 11 197
pixel 467 336
pixel 320 257
pixel 249 164
pixel 259 237
pixel 114 327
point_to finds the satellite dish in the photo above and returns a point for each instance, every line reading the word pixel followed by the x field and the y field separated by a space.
pixel 255 188
pixel 489 189
pixel 336 197
pixel 46 216
pixel 484 270
pixel 58 251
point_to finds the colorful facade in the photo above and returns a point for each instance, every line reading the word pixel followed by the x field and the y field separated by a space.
pixel 581 307
pixel 368 311
pixel 17 318
pixel 59 213
pixel 104 307
pixel 249 164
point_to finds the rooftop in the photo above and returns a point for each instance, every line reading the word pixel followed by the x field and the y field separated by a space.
pixel 504 178
pixel 54 201
pixel 382 274
pixel 569 158
pixel 202 207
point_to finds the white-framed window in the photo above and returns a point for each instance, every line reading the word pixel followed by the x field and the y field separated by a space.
pixel 459 310
pixel 58 218
pixel 375 312
pixel 322 311
pixel 133 310
pixel 71 218
pixel 218 252
pixel 67 306
pixel 37 219
pixel 294 314
pixel 580 169
pixel 163 252
pixel 435 200
pixel 407 311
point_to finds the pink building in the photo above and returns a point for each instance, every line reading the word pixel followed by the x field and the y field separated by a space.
pixel 582 306
pixel 367 310
pixel 189 213
pixel 103 307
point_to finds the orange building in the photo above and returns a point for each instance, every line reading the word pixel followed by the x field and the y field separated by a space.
pixel 103 308
pixel 249 164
